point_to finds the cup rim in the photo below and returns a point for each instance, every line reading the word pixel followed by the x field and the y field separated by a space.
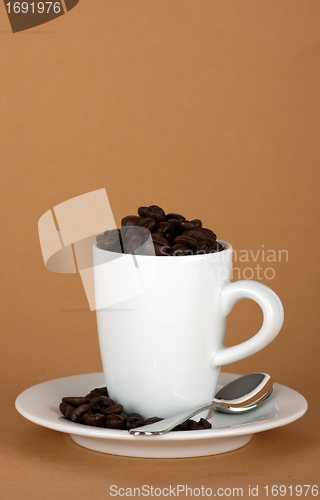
pixel 228 247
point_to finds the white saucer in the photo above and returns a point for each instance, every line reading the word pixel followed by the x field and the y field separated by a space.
pixel 40 404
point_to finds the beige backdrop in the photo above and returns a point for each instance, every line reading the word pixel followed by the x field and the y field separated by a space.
pixel 205 107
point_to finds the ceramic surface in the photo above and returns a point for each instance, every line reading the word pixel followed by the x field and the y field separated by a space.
pixel 162 344
pixel 40 404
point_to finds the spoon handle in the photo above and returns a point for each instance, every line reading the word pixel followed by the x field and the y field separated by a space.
pixel 243 398
pixel 168 424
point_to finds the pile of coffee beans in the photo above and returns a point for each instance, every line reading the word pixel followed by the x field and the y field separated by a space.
pixel 98 410
pixel 171 235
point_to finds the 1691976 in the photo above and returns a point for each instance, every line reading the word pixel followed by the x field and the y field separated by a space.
pixel 33 7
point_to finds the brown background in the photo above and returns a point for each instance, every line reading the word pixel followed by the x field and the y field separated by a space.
pixel 205 107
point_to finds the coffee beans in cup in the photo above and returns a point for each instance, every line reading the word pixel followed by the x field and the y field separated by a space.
pixel 98 410
pixel 153 231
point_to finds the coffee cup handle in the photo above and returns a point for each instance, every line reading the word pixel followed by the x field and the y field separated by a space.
pixel 272 310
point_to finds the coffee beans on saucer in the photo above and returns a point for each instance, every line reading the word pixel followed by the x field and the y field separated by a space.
pixel 98 410
pixel 171 235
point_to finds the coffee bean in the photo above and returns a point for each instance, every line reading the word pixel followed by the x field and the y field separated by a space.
pixel 185 240
pixel 156 208
pixel 78 413
pixel 75 401
pixel 197 223
pixel 164 227
pixel 160 240
pixel 132 233
pixel 116 408
pixel 156 213
pixel 180 250
pixel 166 230
pixel 100 402
pixel 142 211
pixel 114 421
pixel 155 233
pixel 103 391
pixel 185 225
pixel 130 220
pixel 101 237
pixel 175 216
pixel 106 401
pixel 111 244
pixel 69 412
pixel 152 420
pixel 112 233
pixel 154 220
pixel 97 393
pixel 212 236
pixel 178 428
pixel 148 223
pixel 133 245
pixel 205 423
pixel 95 404
pixel 161 250
pixel 95 419
pixel 111 240
pixel 174 224
pixel 182 427
pixel 203 246
pixel 193 425
pixel 201 235
pixel 102 411
pixel 66 409
pixel 137 233
pixel 168 236
pixel 134 420
pixel 215 247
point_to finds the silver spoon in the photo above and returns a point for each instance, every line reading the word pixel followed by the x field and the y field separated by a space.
pixel 241 395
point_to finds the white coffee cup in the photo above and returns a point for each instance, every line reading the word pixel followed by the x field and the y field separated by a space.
pixel 162 331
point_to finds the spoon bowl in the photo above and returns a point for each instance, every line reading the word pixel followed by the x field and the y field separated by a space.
pixel 239 396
